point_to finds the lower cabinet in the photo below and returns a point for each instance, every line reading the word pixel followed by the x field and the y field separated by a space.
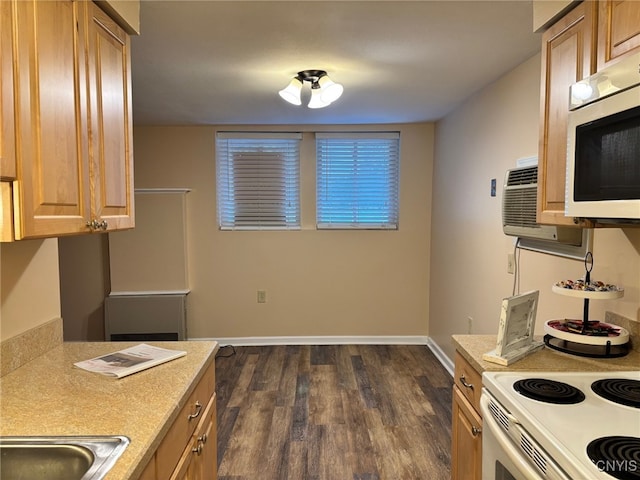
pixel 466 439
pixel 198 461
pixel 466 428
pixel 188 451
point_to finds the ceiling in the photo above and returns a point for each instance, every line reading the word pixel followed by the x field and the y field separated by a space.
pixel 223 62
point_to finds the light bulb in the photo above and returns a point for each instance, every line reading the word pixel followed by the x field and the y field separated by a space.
pixel 316 99
pixel 329 90
pixel 292 92
pixel 581 91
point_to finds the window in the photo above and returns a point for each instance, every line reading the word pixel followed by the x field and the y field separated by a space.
pixel 258 178
pixel 357 180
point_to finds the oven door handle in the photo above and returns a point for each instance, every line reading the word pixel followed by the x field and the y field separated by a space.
pixel 505 443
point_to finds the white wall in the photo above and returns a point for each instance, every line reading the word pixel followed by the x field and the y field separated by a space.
pixel 318 283
pixel 477 142
pixel 29 285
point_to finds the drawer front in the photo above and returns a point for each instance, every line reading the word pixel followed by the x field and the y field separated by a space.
pixel 180 433
pixel 468 380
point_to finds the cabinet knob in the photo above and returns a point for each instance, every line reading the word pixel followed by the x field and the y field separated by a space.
pixel 203 438
pixel 197 450
pixel 96 225
pixel 465 383
pixel 197 412
pixel 475 431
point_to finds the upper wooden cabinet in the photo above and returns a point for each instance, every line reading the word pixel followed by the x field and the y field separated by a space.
pixel 111 129
pixel 567 56
pixel 7 133
pixel 618 30
pixel 51 192
pixel 74 165
pixel 591 36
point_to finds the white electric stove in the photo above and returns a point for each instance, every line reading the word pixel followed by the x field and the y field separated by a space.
pixel 559 425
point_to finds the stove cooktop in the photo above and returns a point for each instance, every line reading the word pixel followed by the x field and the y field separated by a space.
pixel 591 436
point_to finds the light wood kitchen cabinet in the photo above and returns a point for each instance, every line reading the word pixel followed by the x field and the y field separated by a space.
pixel 198 461
pixel 466 428
pixel 590 37
pixel 74 167
pixel 189 449
pixel 567 56
pixel 7 133
pixel 466 440
pixel 149 472
pixel 618 30
pixel 111 125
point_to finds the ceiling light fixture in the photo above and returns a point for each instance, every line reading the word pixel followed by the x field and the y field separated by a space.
pixel 323 90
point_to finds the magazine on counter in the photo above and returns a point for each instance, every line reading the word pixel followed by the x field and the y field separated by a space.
pixel 130 360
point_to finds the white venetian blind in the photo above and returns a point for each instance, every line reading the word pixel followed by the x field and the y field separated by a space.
pixel 258 177
pixel 357 180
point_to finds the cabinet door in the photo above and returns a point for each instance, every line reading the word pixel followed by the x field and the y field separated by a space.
pixel 567 56
pixel 7 131
pixel 198 461
pixel 466 440
pixel 51 195
pixel 109 70
pixel 618 30
pixel 208 462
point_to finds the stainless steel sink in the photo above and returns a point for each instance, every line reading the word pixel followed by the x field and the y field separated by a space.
pixel 59 458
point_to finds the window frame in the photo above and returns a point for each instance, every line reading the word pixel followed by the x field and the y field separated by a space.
pixel 361 208
pixel 283 189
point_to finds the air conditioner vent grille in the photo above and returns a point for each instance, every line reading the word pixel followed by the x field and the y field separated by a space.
pixel 519 207
pixel 523 176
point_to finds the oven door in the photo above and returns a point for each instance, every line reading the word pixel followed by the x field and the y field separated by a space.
pixel 502 457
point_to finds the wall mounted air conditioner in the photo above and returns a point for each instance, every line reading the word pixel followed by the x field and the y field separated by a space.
pixel 519 201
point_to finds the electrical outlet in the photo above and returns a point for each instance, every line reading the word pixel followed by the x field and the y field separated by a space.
pixel 511 263
pixel 469 324
pixel 262 296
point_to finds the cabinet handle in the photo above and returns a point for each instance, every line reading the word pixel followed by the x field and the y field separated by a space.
pixel 93 224
pixel 96 225
pixel 203 438
pixel 475 431
pixel 197 450
pixel 197 413
pixel 464 382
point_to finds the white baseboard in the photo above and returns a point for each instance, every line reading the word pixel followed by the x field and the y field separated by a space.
pixel 323 340
pixel 446 362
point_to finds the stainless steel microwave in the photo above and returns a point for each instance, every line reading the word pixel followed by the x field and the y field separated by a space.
pixel 603 145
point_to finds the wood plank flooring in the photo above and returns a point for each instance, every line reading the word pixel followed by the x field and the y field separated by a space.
pixel 335 412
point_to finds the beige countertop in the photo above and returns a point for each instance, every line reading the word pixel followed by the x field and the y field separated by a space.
pixel 49 396
pixel 472 347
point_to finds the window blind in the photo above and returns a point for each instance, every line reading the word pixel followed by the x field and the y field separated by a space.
pixel 357 180
pixel 258 177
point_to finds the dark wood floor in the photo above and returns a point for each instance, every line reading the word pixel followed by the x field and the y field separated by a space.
pixel 348 412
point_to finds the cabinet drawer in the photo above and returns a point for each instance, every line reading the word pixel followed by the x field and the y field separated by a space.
pixel 198 461
pixel 179 434
pixel 468 380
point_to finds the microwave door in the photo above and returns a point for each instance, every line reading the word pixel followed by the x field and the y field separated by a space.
pixel 603 158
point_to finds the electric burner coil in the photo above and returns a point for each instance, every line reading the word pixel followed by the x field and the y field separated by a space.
pixel 549 391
